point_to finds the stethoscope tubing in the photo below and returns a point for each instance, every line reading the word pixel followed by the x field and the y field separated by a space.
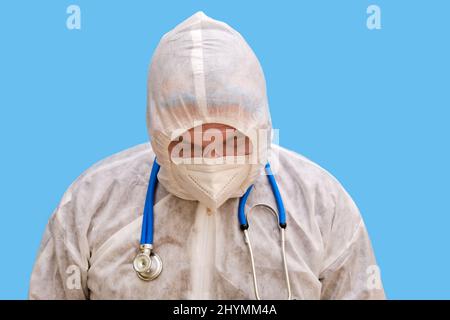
pixel 279 201
pixel 147 223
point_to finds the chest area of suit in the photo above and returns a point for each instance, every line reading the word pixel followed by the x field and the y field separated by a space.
pixel 204 257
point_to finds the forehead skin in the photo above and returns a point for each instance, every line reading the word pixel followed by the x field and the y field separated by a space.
pixel 217 126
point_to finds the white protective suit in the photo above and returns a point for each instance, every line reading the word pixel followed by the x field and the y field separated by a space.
pixel 203 70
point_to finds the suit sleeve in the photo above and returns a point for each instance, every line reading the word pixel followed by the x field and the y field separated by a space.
pixel 60 270
pixel 350 270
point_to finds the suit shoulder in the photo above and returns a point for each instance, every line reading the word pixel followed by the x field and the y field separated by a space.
pixel 295 166
pixel 118 165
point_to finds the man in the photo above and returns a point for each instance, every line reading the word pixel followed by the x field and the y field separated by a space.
pixel 206 92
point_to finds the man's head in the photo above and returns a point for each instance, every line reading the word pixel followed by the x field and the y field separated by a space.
pixel 204 77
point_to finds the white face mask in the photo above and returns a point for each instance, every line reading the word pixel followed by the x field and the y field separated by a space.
pixel 214 182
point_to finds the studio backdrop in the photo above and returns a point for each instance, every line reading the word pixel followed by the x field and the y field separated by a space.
pixel 359 87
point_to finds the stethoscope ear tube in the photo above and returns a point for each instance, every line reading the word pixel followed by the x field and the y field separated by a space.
pixel 241 209
pixel 277 195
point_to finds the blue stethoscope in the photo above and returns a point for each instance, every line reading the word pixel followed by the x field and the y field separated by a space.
pixel 148 264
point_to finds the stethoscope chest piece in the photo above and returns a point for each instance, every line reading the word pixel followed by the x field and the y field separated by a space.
pixel 147 264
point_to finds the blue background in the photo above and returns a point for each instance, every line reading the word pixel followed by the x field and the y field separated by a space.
pixel 370 106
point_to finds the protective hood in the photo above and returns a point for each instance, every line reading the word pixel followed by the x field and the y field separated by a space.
pixel 203 71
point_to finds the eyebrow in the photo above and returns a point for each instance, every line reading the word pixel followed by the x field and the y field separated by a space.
pixel 230 134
